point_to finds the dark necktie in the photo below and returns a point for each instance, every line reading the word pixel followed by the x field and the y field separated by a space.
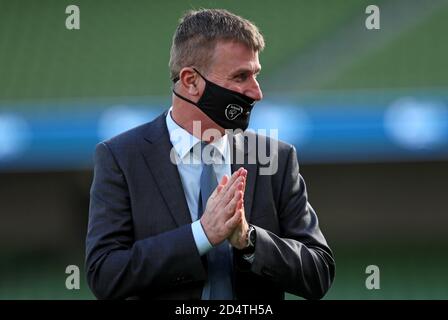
pixel 219 259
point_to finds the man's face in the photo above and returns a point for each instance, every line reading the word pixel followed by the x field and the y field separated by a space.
pixel 235 66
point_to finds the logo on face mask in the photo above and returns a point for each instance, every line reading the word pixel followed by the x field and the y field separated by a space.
pixel 233 111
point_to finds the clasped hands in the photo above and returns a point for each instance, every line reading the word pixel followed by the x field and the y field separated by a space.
pixel 224 217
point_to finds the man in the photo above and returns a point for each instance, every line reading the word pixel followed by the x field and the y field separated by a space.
pixel 175 215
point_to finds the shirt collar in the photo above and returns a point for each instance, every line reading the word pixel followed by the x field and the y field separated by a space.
pixel 183 141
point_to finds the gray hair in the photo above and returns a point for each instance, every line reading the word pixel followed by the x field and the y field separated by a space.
pixel 198 32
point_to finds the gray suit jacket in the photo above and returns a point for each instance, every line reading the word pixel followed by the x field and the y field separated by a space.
pixel 139 240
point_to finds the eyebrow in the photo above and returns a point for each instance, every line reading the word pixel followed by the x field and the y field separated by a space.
pixel 245 70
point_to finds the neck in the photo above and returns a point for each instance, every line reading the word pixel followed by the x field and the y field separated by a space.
pixel 195 122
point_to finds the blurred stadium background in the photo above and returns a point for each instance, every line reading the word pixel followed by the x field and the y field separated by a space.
pixel 367 111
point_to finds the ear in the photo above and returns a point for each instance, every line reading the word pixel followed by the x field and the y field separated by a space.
pixel 190 81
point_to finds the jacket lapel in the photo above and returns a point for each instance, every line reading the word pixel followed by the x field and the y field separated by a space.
pixel 165 173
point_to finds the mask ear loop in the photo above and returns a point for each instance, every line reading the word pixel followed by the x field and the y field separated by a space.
pixel 185 99
pixel 177 77
pixel 200 74
pixel 181 97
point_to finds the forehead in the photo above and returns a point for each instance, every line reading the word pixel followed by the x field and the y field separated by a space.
pixel 230 56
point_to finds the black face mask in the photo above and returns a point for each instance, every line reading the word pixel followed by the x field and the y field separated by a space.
pixel 228 108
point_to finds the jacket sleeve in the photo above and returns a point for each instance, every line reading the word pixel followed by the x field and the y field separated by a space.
pixel 117 266
pixel 299 259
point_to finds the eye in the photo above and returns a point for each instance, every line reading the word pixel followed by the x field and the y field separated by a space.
pixel 241 77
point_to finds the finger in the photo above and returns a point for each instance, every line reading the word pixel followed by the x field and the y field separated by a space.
pixel 233 178
pixel 243 189
pixel 231 206
pixel 243 172
pixel 212 199
pixel 240 188
pixel 224 181
pixel 233 183
pixel 221 184
pixel 233 222
pixel 241 212
pixel 243 175
pixel 229 189
pixel 229 194
pixel 213 204
pixel 239 205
